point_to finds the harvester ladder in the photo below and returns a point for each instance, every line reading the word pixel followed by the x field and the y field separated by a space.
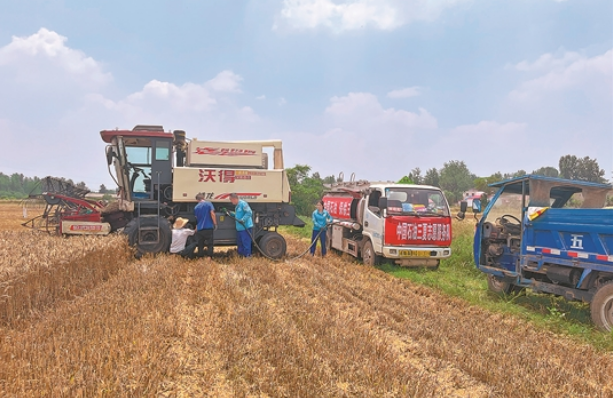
pixel 156 227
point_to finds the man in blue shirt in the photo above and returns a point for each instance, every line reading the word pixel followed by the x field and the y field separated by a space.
pixel 207 223
pixel 244 225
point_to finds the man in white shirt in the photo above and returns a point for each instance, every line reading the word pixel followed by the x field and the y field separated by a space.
pixel 179 239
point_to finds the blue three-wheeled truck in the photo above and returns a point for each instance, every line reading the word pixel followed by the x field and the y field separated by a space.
pixel 528 236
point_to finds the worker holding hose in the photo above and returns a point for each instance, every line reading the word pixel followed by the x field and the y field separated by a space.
pixel 244 225
pixel 321 218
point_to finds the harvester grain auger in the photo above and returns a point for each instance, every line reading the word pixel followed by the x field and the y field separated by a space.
pixel 67 211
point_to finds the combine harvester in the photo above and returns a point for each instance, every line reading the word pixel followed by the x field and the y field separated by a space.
pixel 158 175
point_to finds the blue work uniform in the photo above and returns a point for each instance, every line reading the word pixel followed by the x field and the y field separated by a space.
pixel 320 221
pixel 244 227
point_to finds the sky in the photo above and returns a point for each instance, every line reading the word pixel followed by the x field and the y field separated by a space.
pixel 374 87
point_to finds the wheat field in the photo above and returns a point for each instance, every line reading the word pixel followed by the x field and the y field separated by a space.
pixel 91 321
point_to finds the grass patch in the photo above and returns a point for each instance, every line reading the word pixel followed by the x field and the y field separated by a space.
pixel 304 232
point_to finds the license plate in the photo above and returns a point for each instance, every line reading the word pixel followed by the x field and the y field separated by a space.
pixel 414 253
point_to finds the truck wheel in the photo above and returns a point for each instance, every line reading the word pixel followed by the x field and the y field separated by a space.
pixel 499 286
pixel 150 241
pixel 601 307
pixel 369 257
pixel 272 245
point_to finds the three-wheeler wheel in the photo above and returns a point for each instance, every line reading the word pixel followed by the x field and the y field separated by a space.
pixel 601 307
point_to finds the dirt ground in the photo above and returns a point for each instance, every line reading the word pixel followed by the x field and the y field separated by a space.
pixel 312 327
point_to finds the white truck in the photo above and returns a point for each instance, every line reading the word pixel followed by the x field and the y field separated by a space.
pixel 407 224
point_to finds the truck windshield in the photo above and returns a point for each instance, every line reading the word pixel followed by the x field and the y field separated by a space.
pixel 415 201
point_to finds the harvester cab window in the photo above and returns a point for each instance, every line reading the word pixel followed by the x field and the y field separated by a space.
pixel 139 162
pixel 162 152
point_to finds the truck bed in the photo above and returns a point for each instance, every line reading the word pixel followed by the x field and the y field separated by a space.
pixel 571 237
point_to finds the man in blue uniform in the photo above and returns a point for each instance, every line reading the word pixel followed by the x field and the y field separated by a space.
pixel 244 225
pixel 207 223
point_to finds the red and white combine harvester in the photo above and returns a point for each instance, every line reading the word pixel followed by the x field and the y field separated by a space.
pixel 407 224
pixel 158 175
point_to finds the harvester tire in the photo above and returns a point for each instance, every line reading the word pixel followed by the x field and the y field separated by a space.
pixel 369 257
pixel 601 307
pixel 272 245
pixel 149 241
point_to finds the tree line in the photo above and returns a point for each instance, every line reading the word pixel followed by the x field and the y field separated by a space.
pixel 454 178
pixel 18 186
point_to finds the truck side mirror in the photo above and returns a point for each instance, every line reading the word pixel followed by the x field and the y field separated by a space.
pixel 109 155
pixel 382 203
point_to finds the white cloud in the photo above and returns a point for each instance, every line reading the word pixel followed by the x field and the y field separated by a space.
pixel 260 97
pixel 361 136
pixel 364 109
pixel 355 14
pixel 404 92
pixel 29 57
pixel 282 101
pixel 226 81
pixel 568 71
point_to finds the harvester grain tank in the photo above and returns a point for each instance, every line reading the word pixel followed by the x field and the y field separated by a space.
pixel 407 224
pixel 529 238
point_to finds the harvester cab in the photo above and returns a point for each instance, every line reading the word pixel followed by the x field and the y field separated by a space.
pixel 141 159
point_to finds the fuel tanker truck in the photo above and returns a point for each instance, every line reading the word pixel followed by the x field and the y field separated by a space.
pixel 158 175
pixel 404 223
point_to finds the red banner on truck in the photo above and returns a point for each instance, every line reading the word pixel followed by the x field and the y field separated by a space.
pixel 412 230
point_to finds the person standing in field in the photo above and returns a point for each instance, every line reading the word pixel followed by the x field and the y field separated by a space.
pixel 321 218
pixel 244 225
pixel 179 239
pixel 207 223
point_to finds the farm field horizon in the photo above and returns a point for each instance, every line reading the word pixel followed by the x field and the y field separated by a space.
pixel 80 316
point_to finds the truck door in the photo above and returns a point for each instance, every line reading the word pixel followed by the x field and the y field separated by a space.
pixel 373 221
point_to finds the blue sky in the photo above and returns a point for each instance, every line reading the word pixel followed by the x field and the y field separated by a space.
pixel 375 87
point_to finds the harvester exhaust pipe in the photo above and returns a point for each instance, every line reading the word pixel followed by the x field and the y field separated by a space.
pixel 180 144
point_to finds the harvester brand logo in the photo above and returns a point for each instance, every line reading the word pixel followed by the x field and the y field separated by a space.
pixel 86 227
pixel 242 195
pixel 227 176
pixel 423 231
pixel 207 150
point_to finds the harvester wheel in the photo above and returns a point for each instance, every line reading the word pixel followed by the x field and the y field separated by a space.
pixel 272 245
pixel 369 257
pixel 152 239
pixel 601 307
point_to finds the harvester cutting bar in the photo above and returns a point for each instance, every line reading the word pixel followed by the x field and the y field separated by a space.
pixel 62 208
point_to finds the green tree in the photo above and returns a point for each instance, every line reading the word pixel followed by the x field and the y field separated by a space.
pixel 415 176
pixel 455 178
pixel 585 169
pixel 547 172
pixel 306 189
pixel 432 177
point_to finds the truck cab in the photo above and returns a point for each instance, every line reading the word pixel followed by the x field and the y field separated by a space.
pixel 551 235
